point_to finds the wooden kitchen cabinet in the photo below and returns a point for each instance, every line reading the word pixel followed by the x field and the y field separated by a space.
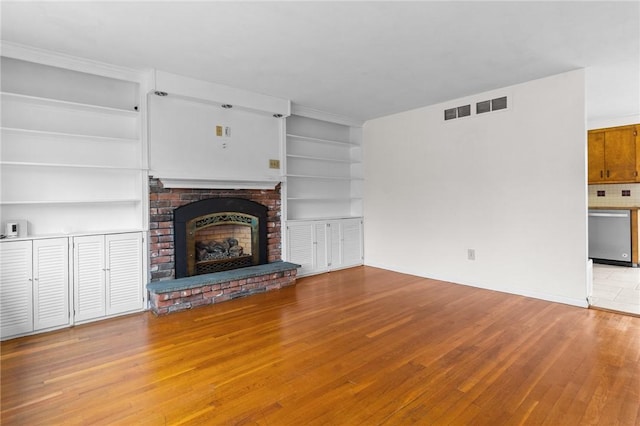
pixel 614 155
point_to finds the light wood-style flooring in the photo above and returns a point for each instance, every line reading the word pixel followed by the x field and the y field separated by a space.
pixel 363 346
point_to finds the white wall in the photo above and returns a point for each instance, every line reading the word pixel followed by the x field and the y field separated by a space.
pixel 183 141
pixel 510 184
pixel 613 122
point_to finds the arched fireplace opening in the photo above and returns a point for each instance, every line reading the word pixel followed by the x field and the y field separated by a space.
pixel 219 234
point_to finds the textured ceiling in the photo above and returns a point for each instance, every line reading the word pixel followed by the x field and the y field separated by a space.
pixel 358 59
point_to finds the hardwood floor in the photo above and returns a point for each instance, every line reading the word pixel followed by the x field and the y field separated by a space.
pixel 360 346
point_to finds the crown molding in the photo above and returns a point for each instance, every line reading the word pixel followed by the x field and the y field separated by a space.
pixel 55 59
pixel 317 114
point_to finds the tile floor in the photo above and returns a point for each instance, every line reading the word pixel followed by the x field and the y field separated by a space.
pixel 617 288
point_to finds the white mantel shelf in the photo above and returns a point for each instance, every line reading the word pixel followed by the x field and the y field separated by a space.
pixel 218 183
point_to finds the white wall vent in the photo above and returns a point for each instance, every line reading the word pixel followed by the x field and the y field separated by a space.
pixel 499 103
pixel 461 111
pixel 481 108
pixel 450 114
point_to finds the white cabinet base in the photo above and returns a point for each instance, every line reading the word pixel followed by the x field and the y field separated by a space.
pixel 107 275
pixel 100 276
pixel 324 245
pixel 34 286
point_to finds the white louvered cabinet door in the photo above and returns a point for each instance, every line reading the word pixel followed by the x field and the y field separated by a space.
pixel 322 232
pixel 351 242
pixel 89 277
pixel 300 246
pixel 124 273
pixel 16 288
pixel 50 283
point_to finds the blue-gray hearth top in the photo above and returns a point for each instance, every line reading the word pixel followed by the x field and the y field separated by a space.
pixel 200 290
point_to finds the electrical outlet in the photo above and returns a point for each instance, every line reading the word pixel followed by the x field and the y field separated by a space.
pixel 227 132
pixel 471 254
pixel 274 164
pixel 219 131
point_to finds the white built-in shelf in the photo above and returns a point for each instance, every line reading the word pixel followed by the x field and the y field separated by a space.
pixel 323 218
pixel 46 133
pixel 86 201
pixel 73 148
pixel 323 163
pixel 318 140
pixel 69 234
pixel 330 160
pixel 321 177
pixel 60 104
pixel 72 166
pixel 322 198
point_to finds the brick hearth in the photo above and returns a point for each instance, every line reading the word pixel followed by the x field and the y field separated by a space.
pixel 199 290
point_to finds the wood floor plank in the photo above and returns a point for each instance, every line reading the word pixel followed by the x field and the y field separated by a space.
pixel 359 346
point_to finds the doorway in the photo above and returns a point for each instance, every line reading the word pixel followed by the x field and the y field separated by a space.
pixel 616 288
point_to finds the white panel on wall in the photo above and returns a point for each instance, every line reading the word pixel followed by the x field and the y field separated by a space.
pixel 184 142
pixel 509 184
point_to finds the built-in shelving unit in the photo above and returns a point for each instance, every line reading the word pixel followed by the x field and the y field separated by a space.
pixel 72 158
pixel 323 169
pixel 323 194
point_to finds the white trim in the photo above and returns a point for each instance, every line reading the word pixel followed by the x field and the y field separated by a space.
pixel 317 114
pixel 218 94
pixel 46 57
pixel 582 303
pixel 603 123
pixel 217 184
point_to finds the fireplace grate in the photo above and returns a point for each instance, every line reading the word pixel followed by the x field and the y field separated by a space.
pixel 218 265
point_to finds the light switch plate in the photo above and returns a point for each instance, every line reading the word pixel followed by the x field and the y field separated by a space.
pixel 274 164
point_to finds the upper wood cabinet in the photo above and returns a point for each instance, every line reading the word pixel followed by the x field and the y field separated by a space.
pixel 614 155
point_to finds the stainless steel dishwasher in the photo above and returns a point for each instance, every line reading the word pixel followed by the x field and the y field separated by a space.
pixel 610 236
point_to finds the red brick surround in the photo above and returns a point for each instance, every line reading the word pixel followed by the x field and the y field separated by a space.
pixel 162 202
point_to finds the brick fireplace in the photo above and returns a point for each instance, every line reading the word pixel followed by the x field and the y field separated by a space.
pixel 162 203
pixel 173 292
